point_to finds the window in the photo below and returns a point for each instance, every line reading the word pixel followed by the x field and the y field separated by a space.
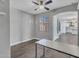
pixel 43 24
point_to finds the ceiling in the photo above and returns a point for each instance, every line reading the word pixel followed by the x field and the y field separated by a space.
pixel 28 6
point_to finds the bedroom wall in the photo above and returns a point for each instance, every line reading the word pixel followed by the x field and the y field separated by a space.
pixel 15 26
pixel 27 27
pixel 21 26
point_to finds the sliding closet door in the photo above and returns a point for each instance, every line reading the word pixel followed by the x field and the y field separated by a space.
pixel 4 29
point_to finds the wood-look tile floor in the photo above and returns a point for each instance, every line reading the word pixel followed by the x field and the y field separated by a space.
pixel 28 50
pixel 68 38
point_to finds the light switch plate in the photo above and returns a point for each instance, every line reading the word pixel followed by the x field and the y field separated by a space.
pixel 2 13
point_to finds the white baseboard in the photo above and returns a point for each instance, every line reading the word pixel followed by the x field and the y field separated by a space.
pixel 13 44
pixel 27 40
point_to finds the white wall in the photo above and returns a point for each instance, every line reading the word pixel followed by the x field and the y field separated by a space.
pixel 55 34
pixel 63 27
pixel 27 27
pixel 15 26
pixel 20 28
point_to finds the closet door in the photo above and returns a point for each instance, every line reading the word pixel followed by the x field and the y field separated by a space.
pixel 4 29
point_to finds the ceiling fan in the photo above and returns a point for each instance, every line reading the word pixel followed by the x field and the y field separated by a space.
pixel 41 4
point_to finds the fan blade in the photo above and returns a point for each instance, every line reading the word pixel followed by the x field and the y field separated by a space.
pixel 46 8
pixel 48 2
pixel 35 3
pixel 36 9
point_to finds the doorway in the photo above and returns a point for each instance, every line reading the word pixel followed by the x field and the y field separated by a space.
pixel 65 27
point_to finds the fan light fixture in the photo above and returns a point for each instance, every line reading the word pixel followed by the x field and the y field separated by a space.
pixel 41 7
pixel 41 4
